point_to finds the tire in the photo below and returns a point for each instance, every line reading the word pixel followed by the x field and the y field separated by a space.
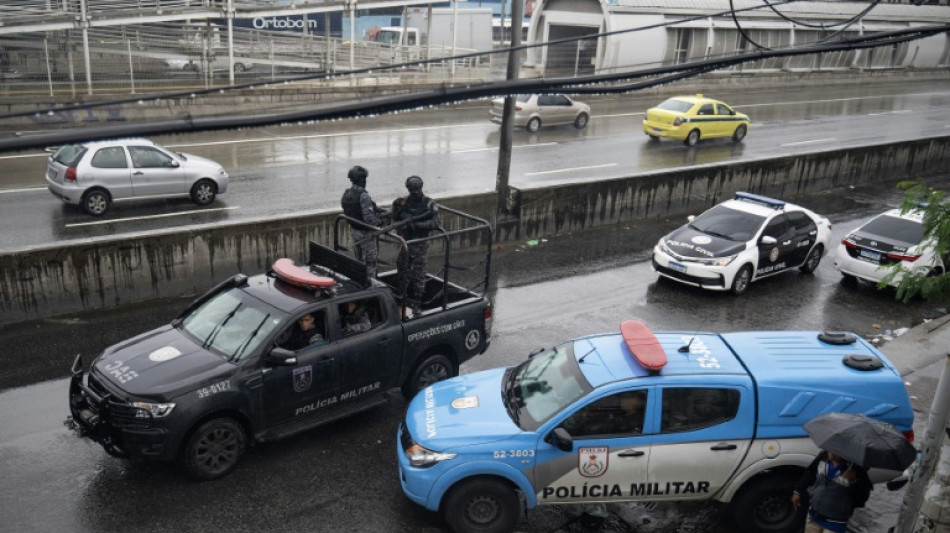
pixel 481 505
pixel 653 137
pixel 214 449
pixel 692 139
pixel 204 192
pixel 739 134
pixel 431 370
pixel 764 505
pixel 239 68
pixel 811 262
pixel 533 125
pixel 96 202
pixel 581 121
pixel 741 282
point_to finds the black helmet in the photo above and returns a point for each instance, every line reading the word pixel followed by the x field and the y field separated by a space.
pixel 358 175
pixel 414 183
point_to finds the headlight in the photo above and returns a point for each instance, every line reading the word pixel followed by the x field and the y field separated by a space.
pixel 150 410
pixel 423 458
pixel 716 261
pixel 662 246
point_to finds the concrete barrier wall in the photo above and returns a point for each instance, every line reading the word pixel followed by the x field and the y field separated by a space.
pixel 51 280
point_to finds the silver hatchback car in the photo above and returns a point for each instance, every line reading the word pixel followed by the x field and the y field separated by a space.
pixel 94 174
pixel 534 110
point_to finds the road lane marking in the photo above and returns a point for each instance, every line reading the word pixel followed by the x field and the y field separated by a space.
pixel 895 112
pixel 150 217
pixel 570 169
pixel 8 191
pixel 808 142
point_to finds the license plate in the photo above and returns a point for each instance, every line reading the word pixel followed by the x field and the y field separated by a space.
pixel 51 172
pixel 868 255
pixel 676 266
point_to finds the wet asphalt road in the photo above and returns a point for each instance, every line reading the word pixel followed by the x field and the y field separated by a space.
pixel 302 168
pixel 342 477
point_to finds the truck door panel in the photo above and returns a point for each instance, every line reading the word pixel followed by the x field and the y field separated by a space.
pixel 307 387
pixel 368 348
pixel 611 454
pixel 703 435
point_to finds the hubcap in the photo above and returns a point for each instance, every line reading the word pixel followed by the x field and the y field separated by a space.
pixel 482 510
pixel 204 193
pixel 432 374
pixel 96 203
pixel 217 449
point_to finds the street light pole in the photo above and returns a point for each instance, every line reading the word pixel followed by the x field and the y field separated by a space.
pixel 455 23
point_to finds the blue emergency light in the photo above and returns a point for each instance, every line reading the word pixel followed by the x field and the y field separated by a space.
pixel 764 200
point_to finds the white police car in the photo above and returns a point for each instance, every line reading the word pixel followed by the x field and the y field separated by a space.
pixel 638 416
pixel 889 238
pixel 741 240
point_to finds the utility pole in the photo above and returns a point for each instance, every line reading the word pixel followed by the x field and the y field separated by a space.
pixel 929 450
pixel 507 126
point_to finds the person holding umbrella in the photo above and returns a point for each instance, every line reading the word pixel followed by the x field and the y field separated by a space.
pixel 835 488
pixel 836 482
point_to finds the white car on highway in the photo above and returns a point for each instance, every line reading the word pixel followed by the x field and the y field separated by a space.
pixel 94 174
pixel 742 240
pixel 887 239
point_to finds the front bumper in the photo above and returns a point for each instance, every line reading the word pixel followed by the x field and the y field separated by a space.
pixel 97 414
pixel 695 274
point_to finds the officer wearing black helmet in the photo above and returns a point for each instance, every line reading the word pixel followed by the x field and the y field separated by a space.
pixel 358 204
pixel 423 214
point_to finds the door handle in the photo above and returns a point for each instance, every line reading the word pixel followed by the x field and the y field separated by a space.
pixel 786 243
pixel 724 446
pixel 138 173
pixel 631 453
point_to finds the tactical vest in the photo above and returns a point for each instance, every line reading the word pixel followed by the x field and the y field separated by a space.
pixel 351 205
pixel 413 208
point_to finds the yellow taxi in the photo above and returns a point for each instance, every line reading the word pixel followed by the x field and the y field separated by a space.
pixel 691 118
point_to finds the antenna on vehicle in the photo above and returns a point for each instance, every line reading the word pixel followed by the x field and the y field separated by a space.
pixel 685 348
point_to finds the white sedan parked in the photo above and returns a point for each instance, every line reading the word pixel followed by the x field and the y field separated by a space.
pixel 885 240
pixel 742 240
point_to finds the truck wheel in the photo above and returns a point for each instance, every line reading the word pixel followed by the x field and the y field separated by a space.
pixel 764 505
pixel 811 262
pixel 481 505
pixel 214 449
pixel 741 282
pixel 432 369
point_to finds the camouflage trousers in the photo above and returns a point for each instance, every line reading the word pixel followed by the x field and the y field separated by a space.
pixel 366 249
pixel 411 268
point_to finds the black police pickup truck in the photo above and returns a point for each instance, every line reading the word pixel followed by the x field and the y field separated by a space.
pixel 260 358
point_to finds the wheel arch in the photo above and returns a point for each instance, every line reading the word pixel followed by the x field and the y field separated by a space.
pixel 443 348
pixel 232 413
pixel 791 465
pixel 505 473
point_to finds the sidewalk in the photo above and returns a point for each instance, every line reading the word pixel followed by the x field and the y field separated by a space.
pixel 919 355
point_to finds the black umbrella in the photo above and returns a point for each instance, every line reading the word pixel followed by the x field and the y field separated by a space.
pixel 862 440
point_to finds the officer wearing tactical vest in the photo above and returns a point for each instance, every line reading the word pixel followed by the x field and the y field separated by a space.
pixel 423 213
pixel 358 204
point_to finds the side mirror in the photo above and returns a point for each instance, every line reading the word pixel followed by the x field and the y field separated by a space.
pixel 175 163
pixel 691 218
pixel 561 439
pixel 281 357
pixel 768 240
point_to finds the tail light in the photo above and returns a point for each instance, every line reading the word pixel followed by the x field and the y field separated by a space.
pixel 487 316
pixel 517 108
pixel 848 243
pixel 70 174
pixel 909 434
pixel 678 121
pixel 902 257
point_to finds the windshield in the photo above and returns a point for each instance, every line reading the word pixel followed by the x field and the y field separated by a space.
pixel 389 37
pixel 232 324
pixel 677 106
pixel 902 230
pixel 542 386
pixel 721 221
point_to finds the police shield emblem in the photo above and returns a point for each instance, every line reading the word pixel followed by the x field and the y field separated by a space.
pixel 592 462
pixel 773 255
pixel 303 378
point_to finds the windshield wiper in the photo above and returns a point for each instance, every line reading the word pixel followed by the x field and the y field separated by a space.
pixel 219 326
pixel 247 342
pixel 510 395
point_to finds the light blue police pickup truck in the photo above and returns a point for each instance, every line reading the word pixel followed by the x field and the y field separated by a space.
pixel 603 418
